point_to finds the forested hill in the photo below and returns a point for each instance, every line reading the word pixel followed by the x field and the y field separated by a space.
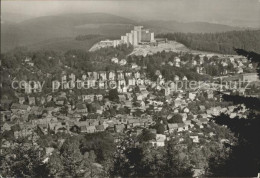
pixel 224 42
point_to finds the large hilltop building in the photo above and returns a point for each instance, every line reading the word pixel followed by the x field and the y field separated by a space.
pixel 137 36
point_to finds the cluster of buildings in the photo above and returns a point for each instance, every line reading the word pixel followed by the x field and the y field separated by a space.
pixel 230 64
pixel 90 113
pixel 136 37
pixel 139 100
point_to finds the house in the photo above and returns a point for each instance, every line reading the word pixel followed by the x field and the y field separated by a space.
pixel 122 98
pixel 177 59
pixel 140 81
pixel 195 139
pixel 182 127
pixel 72 77
pixel 42 100
pixel 203 120
pixel 188 123
pixel 137 75
pixel 20 108
pixel 22 130
pixel 170 63
pixel 111 75
pixel 84 77
pixel 99 97
pixel 37 110
pixel 136 123
pixel 49 98
pixel 120 75
pixel 172 127
pixel 239 70
pixel 139 96
pixel 122 62
pixel 197 123
pixel 102 75
pixel 202 108
pixel 90 129
pixel 21 100
pixel 115 60
pixel 184 116
pixel 134 66
pixel 152 131
pixel 186 110
pixel 210 94
pixel 131 81
pixel 5 144
pixel 232 115
pixel 178 102
pixel 121 83
pixel 176 78
pixel 27 59
pixel 191 95
pixel 184 78
pixel 5 116
pixel 177 64
pixel 89 97
pixel 100 128
pixel 81 108
pixel 119 128
pixel 31 100
pixel 141 86
pixel 159 140
pixel 61 129
pixel 75 129
pixel 194 63
pixel 5 127
pixel 5 103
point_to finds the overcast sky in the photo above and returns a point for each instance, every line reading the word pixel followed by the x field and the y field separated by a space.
pixel 182 10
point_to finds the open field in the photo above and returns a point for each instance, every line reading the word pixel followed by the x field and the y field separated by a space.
pixel 148 50
pixel 170 46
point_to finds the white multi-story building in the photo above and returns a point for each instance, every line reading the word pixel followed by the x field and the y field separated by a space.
pixel 135 38
pixel 124 39
pixel 129 38
pixel 139 32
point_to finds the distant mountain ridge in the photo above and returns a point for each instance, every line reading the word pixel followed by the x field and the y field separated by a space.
pixel 14 17
pixel 32 31
pixel 189 27
pixel 78 19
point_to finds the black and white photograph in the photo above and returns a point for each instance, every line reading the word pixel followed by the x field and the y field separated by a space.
pixel 130 88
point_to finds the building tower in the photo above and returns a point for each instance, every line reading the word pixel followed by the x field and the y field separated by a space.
pixel 139 33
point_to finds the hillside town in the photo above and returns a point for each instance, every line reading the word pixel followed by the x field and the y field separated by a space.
pixel 131 100
pixel 123 101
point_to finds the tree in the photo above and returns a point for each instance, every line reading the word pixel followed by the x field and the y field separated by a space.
pixel 160 128
pixel 64 110
pixel 23 160
pixel 55 165
pixel 113 95
pixel 244 158
pixel 175 164
pixel 176 118
pixel 92 169
pixel 218 42
pixel 71 157
pixel 146 135
pixel 101 143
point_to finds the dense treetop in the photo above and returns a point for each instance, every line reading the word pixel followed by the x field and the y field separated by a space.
pixel 224 42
